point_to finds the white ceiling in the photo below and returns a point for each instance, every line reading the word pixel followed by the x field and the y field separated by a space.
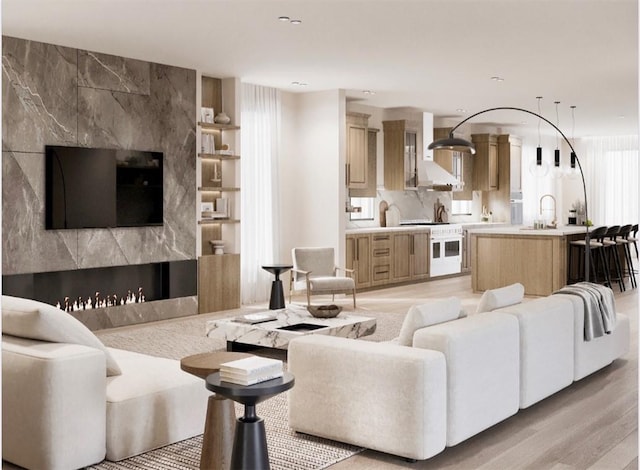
pixel 433 55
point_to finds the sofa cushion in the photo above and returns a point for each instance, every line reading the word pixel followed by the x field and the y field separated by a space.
pixel 152 404
pixel 31 319
pixel 430 313
pixel 502 297
pixel 482 358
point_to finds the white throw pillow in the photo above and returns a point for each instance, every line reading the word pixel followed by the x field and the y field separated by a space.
pixel 501 297
pixel 31 319
pixel 430 313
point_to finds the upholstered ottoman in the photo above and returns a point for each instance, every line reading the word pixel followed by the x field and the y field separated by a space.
pixel 546 347
pixel 590 356
pixel 482 358
pixel 382 396
pixel 153 403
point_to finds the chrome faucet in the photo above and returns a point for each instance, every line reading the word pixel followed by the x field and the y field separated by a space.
pixel 554 221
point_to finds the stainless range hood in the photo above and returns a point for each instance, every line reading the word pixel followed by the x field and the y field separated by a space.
pixel 431 174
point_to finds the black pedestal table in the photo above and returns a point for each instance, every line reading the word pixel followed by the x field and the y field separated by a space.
pixel 277 293
pixel 250 439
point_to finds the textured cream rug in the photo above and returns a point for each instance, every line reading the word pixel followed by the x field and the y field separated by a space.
pixel 288 450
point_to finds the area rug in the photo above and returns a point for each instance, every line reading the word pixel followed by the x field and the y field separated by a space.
pixel 288 450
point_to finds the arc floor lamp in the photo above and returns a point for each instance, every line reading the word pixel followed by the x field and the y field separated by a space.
pixel 455 143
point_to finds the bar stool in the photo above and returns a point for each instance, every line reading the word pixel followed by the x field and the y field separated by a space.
pixel 596 238
pixel 634 238
pixel 611 248
pixel 623 241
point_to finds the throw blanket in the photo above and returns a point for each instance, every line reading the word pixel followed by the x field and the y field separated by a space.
pixel 599 307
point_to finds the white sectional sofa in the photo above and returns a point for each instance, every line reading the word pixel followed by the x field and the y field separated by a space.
pixel 69 402
pixel 456 379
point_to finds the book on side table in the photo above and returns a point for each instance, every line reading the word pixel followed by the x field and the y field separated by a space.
pixel 251 370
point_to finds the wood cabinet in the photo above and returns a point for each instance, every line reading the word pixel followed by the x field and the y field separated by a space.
pixel 358 251
pixel 372 166
pixel 400 155
pixel 357 151
pixel 381 258
pixel 218 282
pixel 393 256
pixel 509 169
pixel 420 255
pixel 485 169
pixel 402 243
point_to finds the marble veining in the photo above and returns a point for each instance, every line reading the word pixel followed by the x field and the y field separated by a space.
pixel 37 109
pixel 89 99
pixel 113 73
pixel 267 334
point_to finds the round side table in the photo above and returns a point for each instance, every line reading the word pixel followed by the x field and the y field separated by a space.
pixel 217 444
pixel 250 440
pixel 277 293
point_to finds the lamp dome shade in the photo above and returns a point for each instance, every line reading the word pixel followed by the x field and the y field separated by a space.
pixel 453 143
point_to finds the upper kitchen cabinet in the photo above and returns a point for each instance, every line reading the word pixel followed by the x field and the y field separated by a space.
pixel 372 152
pixel 510 151
pixel 357 152
pixel 485 169
pixel 400 155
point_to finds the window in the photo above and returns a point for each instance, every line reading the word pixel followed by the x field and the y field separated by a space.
pixel 366 204
pixel 461 207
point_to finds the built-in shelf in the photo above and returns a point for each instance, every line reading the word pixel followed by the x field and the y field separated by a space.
pixel 218 221
pixel 212 127
pixel 217 189
pixel 217 157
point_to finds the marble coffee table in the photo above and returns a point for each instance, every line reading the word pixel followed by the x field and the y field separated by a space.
pixel 289 323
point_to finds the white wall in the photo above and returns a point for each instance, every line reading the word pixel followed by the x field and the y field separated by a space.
pixel 312 171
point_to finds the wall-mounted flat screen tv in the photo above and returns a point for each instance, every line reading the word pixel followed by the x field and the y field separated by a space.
pixel 102 188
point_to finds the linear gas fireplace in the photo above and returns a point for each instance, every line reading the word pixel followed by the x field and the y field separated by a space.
pixel 130 290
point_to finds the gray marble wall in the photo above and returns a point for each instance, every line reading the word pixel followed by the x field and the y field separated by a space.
pixel 53 95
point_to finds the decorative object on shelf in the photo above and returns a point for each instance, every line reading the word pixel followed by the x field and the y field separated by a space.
pixel 324 311
pixel 453 143
pixel 222 206
pixel 217 246
pixel 207 114
pixel 222 118
pixel 206 210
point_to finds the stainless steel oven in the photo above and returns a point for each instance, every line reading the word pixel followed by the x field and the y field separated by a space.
pixel 446 250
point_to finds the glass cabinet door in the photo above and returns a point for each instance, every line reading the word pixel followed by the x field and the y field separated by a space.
pixel 410 159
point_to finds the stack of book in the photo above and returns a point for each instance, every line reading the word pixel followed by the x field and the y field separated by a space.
pixel 251 370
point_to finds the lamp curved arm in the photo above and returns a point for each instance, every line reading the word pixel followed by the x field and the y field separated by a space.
pixel 455 141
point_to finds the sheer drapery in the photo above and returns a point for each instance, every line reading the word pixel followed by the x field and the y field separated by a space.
pixel 611 174
pixel 260 218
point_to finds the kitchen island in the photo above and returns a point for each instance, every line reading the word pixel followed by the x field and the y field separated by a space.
pixel 536 258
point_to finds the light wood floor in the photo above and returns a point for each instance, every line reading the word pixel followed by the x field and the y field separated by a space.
pixel 592 424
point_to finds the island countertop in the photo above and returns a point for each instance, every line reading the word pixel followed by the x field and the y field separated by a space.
pixel 523 230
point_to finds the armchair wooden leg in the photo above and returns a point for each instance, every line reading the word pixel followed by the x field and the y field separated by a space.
pixel 308 298
pixel 354 298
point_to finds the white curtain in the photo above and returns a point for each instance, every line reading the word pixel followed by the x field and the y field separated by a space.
pixel 259 165
pixel 611 175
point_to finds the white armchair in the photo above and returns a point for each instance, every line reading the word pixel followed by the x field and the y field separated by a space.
pixel 314 271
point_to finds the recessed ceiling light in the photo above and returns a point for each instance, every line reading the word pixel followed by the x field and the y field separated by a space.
pixel 283 18
pixel 296 21
pixel 368 92
pixel 460 110
pixel 497 79
pixel 299 83
pixel 621 116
